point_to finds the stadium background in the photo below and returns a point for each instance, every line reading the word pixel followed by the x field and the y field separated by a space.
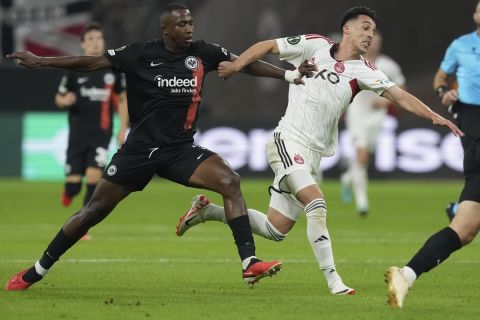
pixel 238 114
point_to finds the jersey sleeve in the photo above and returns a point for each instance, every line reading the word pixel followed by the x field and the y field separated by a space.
pixel 214 55
pixel 67 83
pixel 124 59
pixel 297 49
pixel 373 79
pixel 120 83
pixel 450 61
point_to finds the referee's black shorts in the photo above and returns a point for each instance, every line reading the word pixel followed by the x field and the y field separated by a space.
pixel 468 120
pixel 135 169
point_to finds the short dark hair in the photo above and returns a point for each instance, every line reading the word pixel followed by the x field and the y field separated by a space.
pixel 169 8
pixel 354 12
pixel 90 27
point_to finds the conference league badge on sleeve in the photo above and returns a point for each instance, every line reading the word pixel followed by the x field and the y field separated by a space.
pixel 294 40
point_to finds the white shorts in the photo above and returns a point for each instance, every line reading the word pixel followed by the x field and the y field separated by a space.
pixel 364 124
pixel 285 157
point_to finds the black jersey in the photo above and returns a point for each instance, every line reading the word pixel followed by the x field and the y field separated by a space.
pixel 91 115
pixel 164 89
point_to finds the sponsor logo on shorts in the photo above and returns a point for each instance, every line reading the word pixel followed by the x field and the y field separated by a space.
pixel 298 159
pixel 111 170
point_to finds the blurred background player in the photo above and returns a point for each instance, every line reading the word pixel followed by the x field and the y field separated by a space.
pixel 462 59
pixel 364 119
pixel 90 98
pixel 309 131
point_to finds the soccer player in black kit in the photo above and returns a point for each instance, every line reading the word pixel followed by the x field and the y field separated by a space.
pixel 164 86
pixel 90 99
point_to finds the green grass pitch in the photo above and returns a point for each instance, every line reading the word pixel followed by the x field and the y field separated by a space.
pixel 135 267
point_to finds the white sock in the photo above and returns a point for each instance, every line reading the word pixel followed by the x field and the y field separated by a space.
pixel 246 262
pixel 409 274
pixel 360 185
pixel 258 221
pixel 346 177
pixel 319 237
pixel 212 212
pixel 40 270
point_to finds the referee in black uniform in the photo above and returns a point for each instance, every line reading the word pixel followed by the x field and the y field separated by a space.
pixel 164 88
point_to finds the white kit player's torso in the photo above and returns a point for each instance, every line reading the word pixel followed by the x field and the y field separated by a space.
pixel 314 109
pixel 363 118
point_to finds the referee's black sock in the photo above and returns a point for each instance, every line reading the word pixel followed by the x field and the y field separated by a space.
pixel 88 195
pixel 435 250
pixel 55 249
pixel 242 233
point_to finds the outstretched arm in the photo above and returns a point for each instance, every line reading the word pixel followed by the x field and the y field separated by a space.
pixel 263 69
pixel 414 105
pixel 249 58
pixel 76 63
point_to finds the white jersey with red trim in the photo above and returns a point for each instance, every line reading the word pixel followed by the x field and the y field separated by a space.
pixel 314 109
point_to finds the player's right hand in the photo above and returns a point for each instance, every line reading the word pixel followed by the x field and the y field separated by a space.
pixel 441 121
pixel 226 70
pixel 449 97
pixel 307 69
pixel 69 99
pixel 26 59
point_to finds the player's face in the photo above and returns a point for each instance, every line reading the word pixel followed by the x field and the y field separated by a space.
pixel 93 43
pixel 361 32
pixel 476 15
pixel 179 28
pixel 375 45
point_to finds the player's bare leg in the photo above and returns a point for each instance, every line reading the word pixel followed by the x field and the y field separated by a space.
pixel 106 196
pixel 93 176
pixel 216 175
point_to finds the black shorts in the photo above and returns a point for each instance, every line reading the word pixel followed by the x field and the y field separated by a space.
pixel 468 121
pixel 84 154
pixel 176 163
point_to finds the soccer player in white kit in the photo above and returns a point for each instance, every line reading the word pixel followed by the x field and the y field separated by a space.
pixel 364 118
pixel 309 131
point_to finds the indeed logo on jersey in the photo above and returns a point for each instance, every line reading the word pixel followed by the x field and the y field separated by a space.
pixel 177 85
pixel 95 94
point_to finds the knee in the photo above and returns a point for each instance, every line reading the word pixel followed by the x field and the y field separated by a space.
pixel 317 211
pixel 229 183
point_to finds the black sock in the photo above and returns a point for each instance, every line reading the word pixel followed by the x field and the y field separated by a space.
pixel 55 249
pixel 72 189
pixel 242 233
pixel 88 195
pixel 435 250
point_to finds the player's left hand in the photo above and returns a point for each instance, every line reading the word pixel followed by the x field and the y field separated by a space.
pixel 441 121
pixel 226 70
pixel 26 59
